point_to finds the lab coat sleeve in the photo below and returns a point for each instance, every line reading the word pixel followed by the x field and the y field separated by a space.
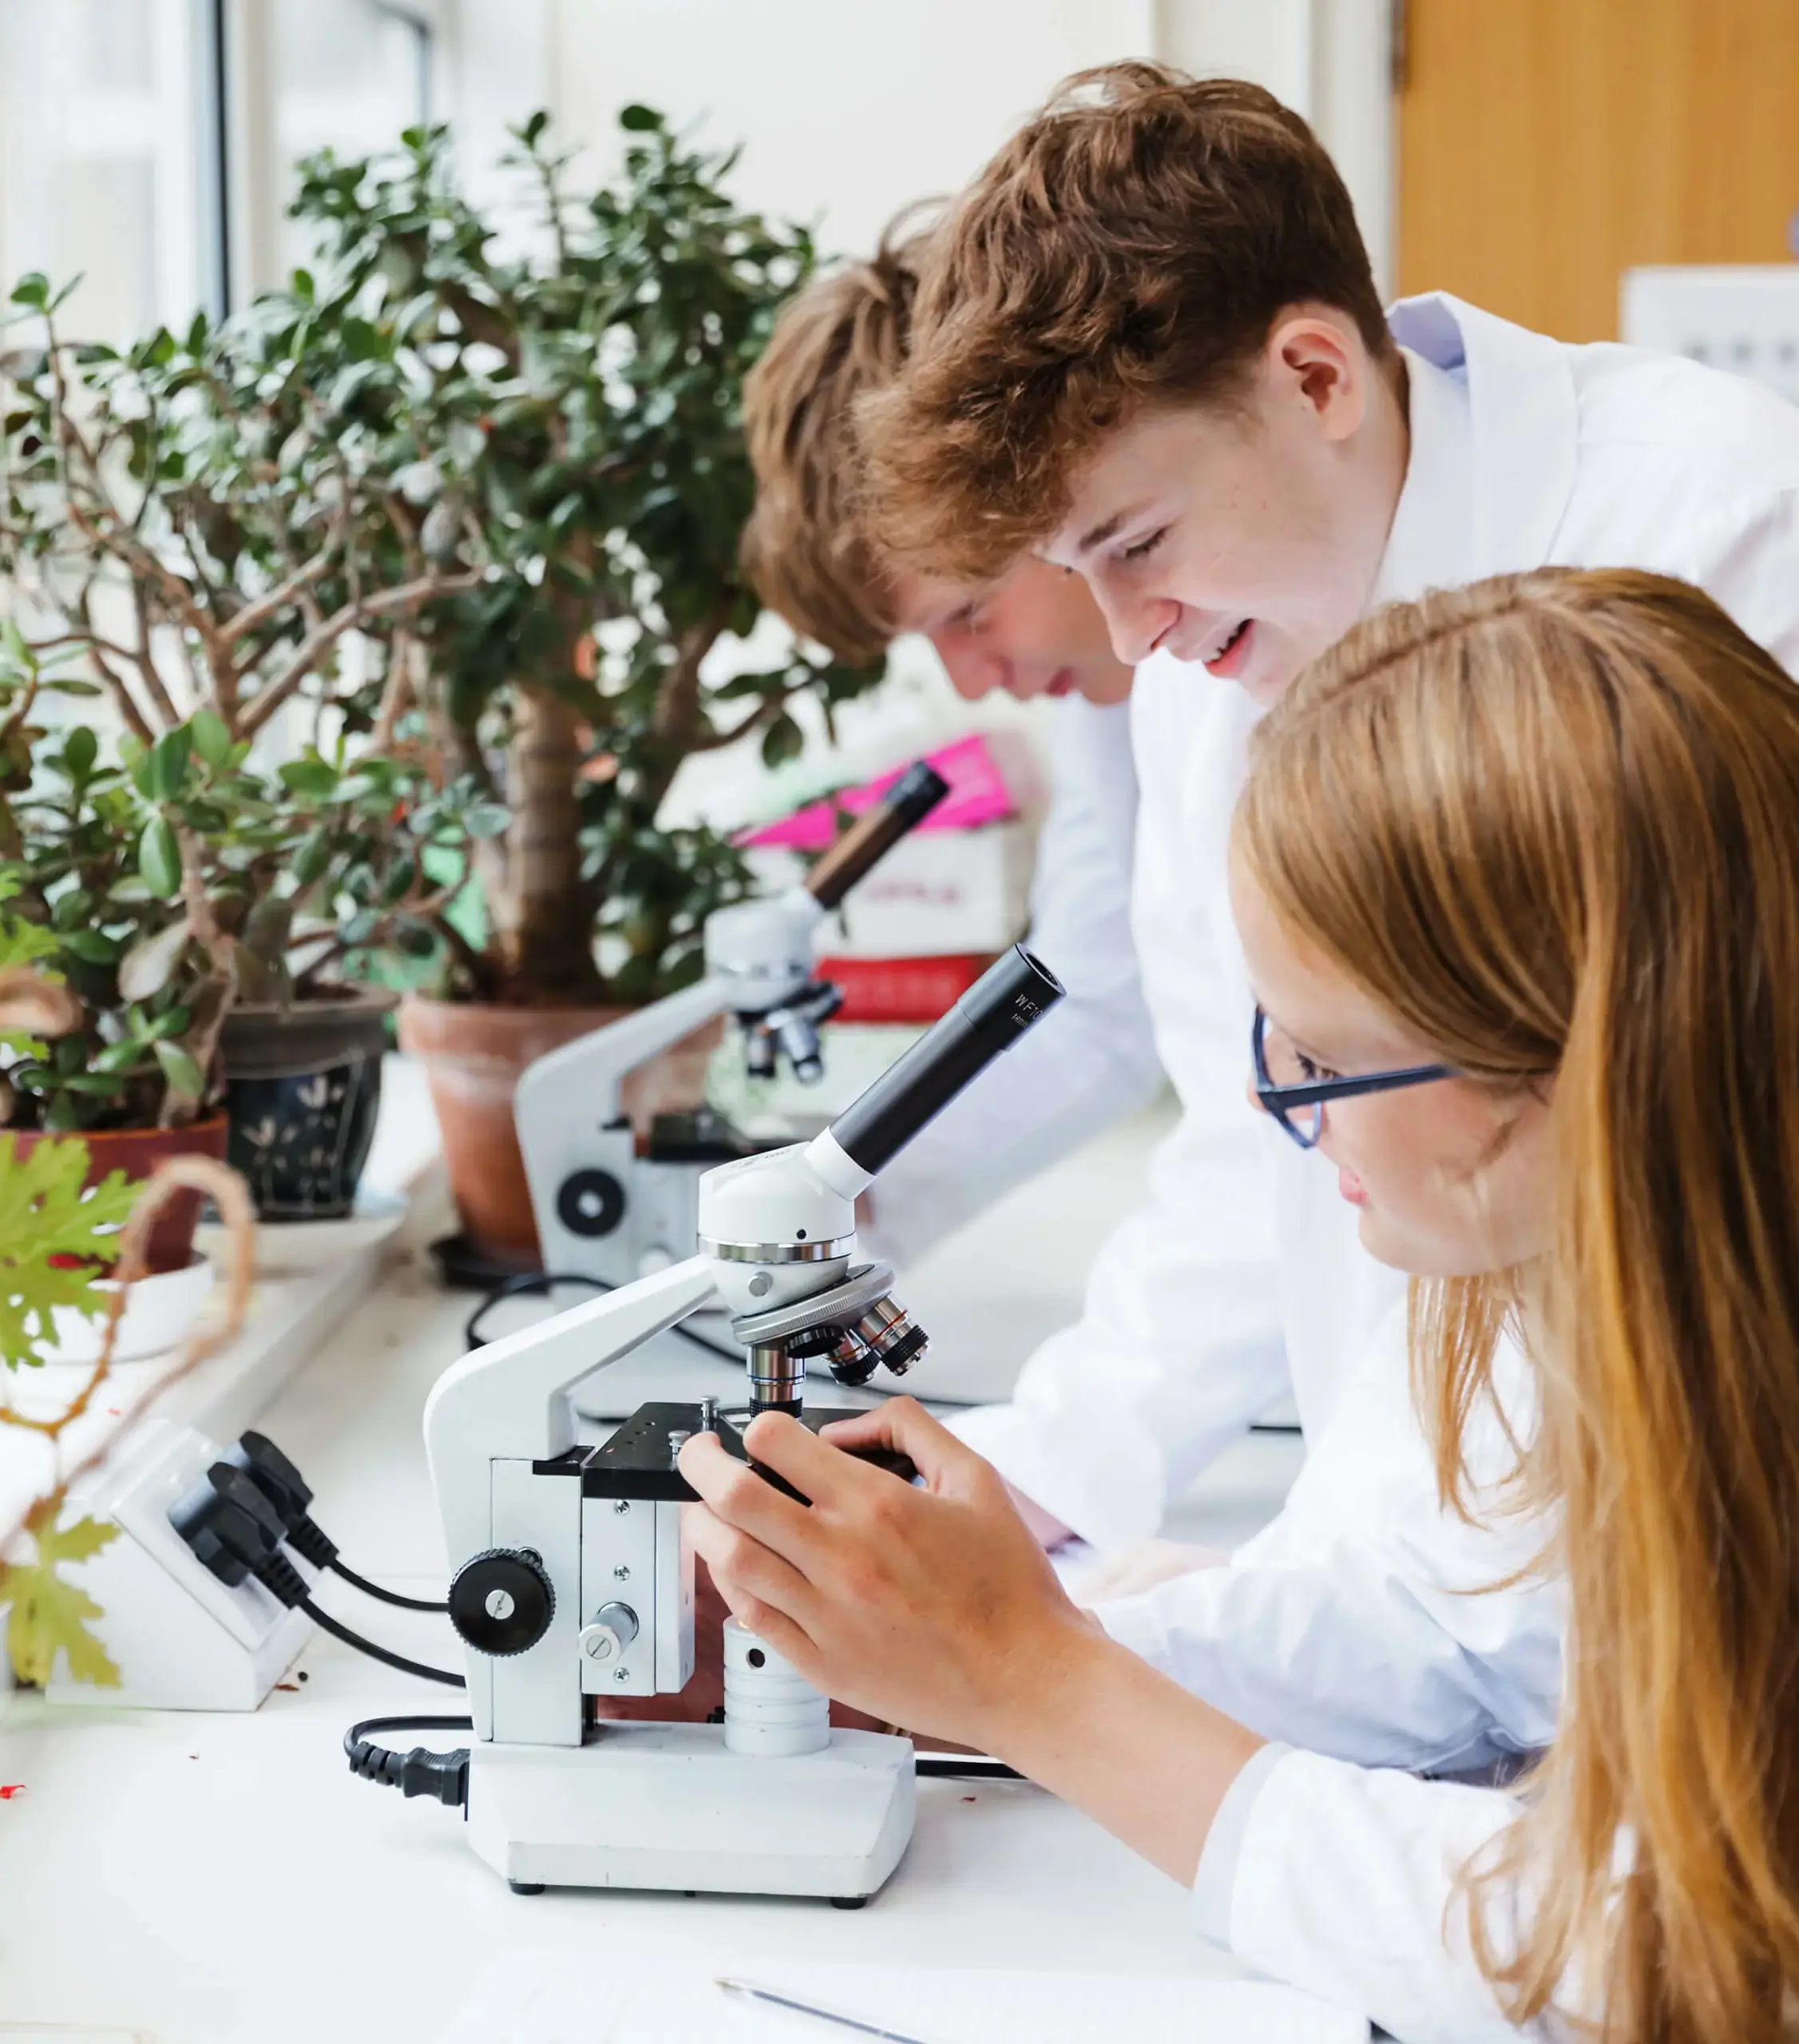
pixel 1093 1059
pixel 1179 1346
pixel 1744 557
pixel 1362 1623
pixel 1342 1881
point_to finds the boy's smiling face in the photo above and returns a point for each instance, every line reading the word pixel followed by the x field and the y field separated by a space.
pixel 1247 534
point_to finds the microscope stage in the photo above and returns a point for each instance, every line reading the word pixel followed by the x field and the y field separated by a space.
pixel 638 1461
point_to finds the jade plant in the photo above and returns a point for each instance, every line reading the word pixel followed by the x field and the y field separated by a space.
pixel 158 884
pixel 561 430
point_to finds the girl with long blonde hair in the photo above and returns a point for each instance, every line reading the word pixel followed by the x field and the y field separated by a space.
pixel 1516 873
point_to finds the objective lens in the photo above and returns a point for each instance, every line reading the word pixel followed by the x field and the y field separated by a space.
pixel 896 1338
pixel 852 1361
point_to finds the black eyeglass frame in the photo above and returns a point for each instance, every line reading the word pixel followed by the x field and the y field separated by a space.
pixel 1282 1102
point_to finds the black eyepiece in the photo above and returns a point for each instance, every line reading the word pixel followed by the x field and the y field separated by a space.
pixel 875 832
pixel 1009 997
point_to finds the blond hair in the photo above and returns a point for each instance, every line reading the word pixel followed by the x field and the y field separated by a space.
pixel 1130 246
pixel 1551 823
pixel 805 548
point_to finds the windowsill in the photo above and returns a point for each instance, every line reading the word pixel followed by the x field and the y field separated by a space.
pixel 297 1300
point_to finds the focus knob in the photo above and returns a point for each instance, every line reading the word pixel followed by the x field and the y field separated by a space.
pixel 502 1601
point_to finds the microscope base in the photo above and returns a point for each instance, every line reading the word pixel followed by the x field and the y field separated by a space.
pixel 670 1806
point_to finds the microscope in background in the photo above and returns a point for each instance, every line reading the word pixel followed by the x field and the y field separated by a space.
pixel 607 1212
pixel 571 1581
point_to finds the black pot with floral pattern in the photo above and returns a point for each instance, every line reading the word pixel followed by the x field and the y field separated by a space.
pixel 303 1088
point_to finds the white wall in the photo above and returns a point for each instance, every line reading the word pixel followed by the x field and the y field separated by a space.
pixel 850 109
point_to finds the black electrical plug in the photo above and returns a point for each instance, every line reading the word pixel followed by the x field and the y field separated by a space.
pixel 236 1532
pixel 442 1777
pixel 230 1524
pixel 287 1491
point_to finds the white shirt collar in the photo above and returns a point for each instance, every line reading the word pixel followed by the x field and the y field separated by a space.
pixel 1432 543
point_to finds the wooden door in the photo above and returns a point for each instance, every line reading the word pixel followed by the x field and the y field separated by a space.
pixel 1545 146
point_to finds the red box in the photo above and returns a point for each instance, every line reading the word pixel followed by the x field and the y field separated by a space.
pixel 901 990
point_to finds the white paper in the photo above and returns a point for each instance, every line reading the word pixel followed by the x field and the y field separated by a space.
pixel 666 1995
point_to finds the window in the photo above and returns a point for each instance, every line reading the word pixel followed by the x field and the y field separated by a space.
pixel 112 164
pixel 347 75
pixel 104 121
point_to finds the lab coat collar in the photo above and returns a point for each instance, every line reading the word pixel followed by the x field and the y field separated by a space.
pixel 1524 423
pixel 1430 544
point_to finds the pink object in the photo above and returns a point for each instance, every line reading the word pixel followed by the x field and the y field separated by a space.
pixel 977 794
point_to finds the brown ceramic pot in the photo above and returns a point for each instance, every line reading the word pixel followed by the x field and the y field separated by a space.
pixel 473 1055
pixel 136 1152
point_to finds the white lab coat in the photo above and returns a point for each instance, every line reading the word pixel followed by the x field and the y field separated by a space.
pixel 1063 1084
pixel 1340 1628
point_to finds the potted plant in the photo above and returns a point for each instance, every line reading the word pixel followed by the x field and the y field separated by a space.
pixel 188 532
pixel 561 433
pixel 149 884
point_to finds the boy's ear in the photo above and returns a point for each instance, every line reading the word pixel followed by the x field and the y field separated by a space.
pixel 1315 356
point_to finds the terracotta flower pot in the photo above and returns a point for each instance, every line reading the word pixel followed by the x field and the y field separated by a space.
pixel 136 1152
pixel 473 1055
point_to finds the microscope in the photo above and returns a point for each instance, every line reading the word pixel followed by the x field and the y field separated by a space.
pixel 571 1581
pixel 607 1212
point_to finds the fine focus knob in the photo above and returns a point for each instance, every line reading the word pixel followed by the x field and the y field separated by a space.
pixel 501 1600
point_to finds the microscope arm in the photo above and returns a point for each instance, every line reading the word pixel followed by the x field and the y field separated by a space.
pixel 510 1399
pixel 592 1071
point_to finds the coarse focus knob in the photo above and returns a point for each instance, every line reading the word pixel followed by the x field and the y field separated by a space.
pixel 501 1600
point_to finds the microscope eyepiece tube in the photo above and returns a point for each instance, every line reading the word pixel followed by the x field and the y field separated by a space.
pixel 1009 998
pixel 875 832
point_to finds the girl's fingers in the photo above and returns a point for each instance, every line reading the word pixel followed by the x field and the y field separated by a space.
pixel 744 1570
pixel 739 1496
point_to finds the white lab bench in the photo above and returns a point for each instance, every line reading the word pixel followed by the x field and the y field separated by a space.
pixel 218 1880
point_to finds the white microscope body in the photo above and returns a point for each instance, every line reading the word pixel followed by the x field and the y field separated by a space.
pixel 571 1579
pixel 607 1210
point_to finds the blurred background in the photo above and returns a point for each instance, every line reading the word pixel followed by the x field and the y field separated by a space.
pixel 1598 169
pixel 1529 156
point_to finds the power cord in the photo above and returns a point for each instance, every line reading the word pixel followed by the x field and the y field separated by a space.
pixel 234 1531
pixel 289 1497
pixel 443 1777
pixel 527 1282
pixel 385 1596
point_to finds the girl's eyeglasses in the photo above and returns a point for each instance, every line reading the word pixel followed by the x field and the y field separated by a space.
pixel 1288 1086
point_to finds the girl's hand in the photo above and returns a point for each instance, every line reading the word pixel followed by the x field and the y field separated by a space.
pixel 933 1607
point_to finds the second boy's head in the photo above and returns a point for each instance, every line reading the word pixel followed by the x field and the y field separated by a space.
pixel 1027 628
pixel 1147 347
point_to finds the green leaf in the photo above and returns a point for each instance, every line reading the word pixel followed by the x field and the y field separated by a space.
pixel 159 858
pixel 783 740
pixel 181 1069
pixel 162 772
pixel 313 856
pixel 639 120
pixel 33 290
pixel 46 1212
pixel 486 819
pixel 92 947
pixel 212 737
pixel 48 1616
pixel 313 776
pixel 72 910
pixel 96 1085
pixel 80 749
